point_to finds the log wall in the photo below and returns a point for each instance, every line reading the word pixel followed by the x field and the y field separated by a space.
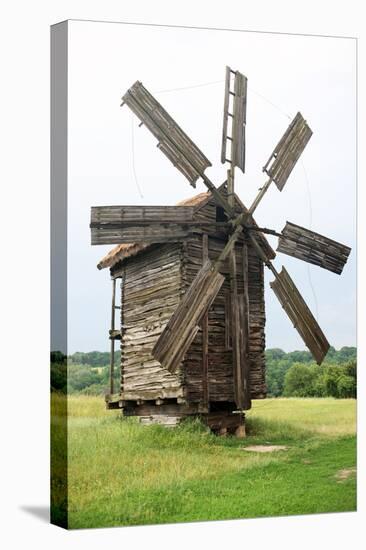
pixel 220 370
pixel 151 286
pixel 220 367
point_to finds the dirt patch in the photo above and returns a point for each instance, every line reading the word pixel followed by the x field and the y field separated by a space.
pixel 265 448
pixel 344 474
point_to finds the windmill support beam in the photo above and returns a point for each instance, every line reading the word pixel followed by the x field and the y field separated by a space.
pixel 205 396
pixel 236 334
pixel 260 195
pixel 111 368
pixel 244 326
pixel 234 308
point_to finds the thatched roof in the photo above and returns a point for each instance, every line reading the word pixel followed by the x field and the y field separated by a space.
pixel 122 251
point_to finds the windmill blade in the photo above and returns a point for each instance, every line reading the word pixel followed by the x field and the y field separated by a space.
pixel 173 142
pixel 301 316
pixel 147 224
pixel 284 157
pixel 313 248
pixel 183 326
pixel 238 117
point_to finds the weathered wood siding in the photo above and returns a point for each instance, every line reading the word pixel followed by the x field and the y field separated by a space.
pixel 151 287
pixel 221 377
pixel 220 367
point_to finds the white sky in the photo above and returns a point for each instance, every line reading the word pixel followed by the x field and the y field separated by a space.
pixel 314 75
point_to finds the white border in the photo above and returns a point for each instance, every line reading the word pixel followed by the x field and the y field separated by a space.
pixel 25 280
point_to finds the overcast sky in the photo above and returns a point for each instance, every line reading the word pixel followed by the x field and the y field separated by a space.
pixel 316 76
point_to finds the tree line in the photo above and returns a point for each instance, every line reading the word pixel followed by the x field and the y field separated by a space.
pixel 291 374
pixel 295 374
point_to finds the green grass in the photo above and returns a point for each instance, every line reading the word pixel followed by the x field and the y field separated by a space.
pixel 121 473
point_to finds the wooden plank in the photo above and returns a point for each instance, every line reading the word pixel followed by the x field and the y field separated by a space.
pixel 244 305
pixel 111 370
pixel 313 248
pixel 205 350
pixel 239 121
pixel 123 330
pixel 126 213
pixel 244 353
pixel 228 321
pixel 235 334
pixel 179 333
pixel 225 120
pixel 151 235
pixel 126 224
pixel 152 395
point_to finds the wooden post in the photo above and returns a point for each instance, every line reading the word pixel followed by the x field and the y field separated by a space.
pixel 235 319
pixel 244 323
pixel 244 327
pixel 260 196
pixel 122 298
pixel 111 371
pixel 205 333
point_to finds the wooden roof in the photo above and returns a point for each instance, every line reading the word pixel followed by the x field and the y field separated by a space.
pixel 122 251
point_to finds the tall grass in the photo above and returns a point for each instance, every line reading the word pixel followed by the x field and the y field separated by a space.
pixel 326 416
pixel 120 472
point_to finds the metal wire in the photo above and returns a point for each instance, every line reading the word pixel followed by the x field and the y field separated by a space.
pixel 133 160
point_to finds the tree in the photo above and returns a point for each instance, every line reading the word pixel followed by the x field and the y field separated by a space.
pixel 346 386
pixel 58 357
pixel 59 377
pixel 332 373
pixel 299 381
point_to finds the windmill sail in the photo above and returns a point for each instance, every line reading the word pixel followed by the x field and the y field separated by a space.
pixel 173 142
pixel 183 326
pixel 311 247
pixel 238 117
pixel 301 316
pixel 286 154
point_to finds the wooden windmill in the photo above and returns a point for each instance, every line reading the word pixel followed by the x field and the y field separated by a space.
pixel 177 224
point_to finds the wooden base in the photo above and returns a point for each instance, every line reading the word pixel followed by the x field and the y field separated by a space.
pixel 220 417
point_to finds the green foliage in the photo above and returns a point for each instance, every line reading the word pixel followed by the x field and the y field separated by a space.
pixel 58 357
pixel 299 381
pixel 59 377
pixel 346 386
pixel 316 381
pixel 89 373
pixel 93 358
pixel 302 380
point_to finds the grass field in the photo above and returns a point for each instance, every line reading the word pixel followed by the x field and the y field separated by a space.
pixel 121 473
